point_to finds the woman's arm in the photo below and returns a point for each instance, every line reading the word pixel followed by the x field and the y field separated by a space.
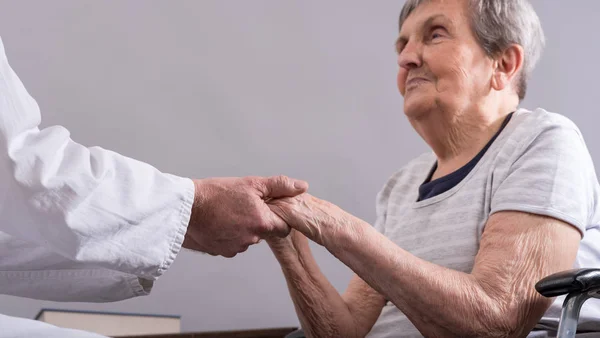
pixel 497 299
pixel 320 308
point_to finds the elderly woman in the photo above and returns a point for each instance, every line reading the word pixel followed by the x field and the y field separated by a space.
pixel 507 197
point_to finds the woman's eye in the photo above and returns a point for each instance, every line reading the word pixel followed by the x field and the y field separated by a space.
pixel 437 32
pixel 436 35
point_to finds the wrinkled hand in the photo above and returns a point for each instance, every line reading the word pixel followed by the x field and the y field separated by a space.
pixel 319 220
pixel 230 214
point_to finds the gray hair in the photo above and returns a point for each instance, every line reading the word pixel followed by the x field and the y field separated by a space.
pixel 499 23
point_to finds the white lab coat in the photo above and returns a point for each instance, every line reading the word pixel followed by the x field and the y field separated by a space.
pixel 77 223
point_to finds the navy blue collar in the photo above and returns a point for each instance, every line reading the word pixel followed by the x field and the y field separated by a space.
pixel 440 185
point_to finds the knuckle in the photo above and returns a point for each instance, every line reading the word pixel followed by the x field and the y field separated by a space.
pixel 284 180
pixel 248 180
pixel 255 183
pixel 276 180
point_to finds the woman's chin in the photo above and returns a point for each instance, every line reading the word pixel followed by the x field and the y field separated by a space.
pixel 417 105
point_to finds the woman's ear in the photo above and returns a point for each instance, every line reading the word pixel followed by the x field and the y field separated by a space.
pixel 508 65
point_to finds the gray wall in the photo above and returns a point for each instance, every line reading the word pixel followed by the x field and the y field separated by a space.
pixel 262 87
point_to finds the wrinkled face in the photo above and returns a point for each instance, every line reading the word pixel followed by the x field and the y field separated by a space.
pixel 441 63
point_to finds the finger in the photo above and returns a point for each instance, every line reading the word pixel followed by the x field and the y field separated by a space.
pixel 282 186
pixel 278 224
pixel 305 221
pixel 229 254
pixel 278 227
pixel 283 209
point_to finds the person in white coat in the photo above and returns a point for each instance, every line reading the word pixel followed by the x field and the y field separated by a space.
pixel 86 224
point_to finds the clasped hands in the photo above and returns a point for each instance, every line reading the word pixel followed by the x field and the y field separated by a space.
pixel 230 214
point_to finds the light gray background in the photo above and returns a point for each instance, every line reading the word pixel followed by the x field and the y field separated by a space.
pixel 216 88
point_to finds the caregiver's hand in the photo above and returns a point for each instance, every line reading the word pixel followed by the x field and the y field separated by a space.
pixel 230 214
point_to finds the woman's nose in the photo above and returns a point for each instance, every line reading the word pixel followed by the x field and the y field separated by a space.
pixel 410 56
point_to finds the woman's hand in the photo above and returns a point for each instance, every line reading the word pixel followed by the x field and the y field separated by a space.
pixel 317 219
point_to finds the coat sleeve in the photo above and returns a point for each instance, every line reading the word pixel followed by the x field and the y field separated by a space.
pixel 64 206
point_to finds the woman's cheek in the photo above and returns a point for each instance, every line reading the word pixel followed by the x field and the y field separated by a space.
pixel 401 80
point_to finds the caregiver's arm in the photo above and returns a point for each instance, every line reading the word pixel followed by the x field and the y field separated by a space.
pixel 98 209
pixel 89 205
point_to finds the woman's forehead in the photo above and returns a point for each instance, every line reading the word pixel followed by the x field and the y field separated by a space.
pixel 449 11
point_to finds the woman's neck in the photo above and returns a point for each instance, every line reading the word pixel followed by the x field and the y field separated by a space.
pixel 457 137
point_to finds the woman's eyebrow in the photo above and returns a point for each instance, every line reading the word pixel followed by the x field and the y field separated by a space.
pixel 441 17
pixel 402 39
